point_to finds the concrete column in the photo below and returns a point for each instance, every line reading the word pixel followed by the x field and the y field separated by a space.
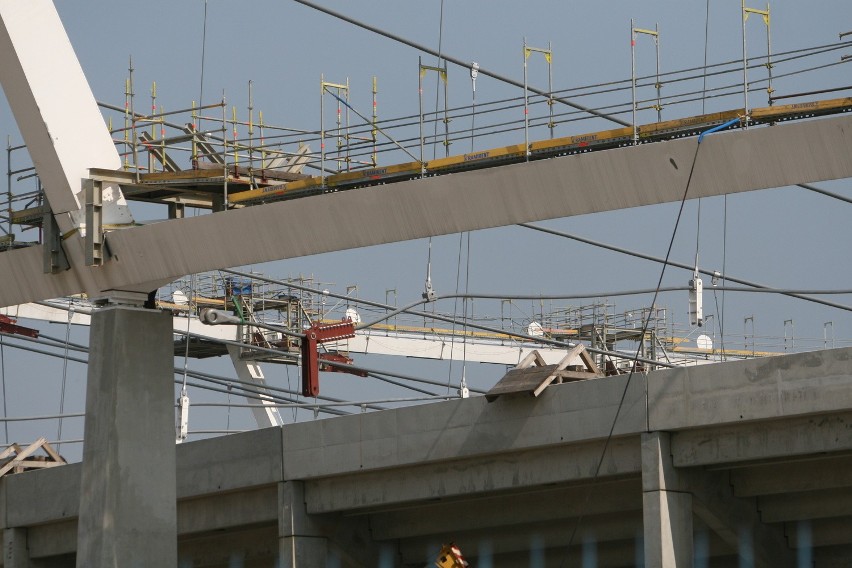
pixel 15 551
pixel 128 512
pixel 301 543
pixel 667 509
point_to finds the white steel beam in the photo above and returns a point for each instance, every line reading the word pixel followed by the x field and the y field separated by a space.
pixel 56 111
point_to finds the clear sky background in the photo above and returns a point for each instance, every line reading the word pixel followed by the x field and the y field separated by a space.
pixel 787 238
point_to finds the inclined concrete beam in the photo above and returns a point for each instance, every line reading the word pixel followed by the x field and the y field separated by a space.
pixel 509 471
pixel 777 156
pixel 806 505
pixel 518 508
pixel 737 521
pixel 666 506
pixel 812 474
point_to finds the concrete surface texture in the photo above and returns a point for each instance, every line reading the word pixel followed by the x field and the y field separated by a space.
pixel 735 464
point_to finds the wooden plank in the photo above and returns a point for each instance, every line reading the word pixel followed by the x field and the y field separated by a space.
pixel 48 449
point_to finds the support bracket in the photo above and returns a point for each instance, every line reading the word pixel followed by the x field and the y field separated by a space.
pixel 315 335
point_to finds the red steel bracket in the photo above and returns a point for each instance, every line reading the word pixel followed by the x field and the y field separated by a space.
pixel 315 335
pixel 7 325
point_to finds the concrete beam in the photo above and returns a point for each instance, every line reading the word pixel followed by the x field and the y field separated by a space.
pixel 462 428
pixel 467 477
pixel 517 508
pixel 777 156
pixel 227 463
pixel 57 490
pixel 756 389
pixel 806 505
pixel 219 511
pixel 53 539
pixel 804 474
pixel 752 441
pixel 819 533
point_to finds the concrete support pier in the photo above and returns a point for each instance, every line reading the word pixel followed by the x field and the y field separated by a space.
pixel 15 551
pixel 667 509
pixel 301 544
pixel 128 513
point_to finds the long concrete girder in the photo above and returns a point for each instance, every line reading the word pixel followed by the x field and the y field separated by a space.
pixel 144 257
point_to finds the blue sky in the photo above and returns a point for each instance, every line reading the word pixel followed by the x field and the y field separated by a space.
pixel 787 238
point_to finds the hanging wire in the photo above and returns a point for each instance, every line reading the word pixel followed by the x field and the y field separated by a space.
pixel 203 52
pixel 3 383
pixel 455 313
pixel 633 367
pixel 463 382
pixel 64 373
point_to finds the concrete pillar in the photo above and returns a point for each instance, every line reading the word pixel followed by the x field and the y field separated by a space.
pixel 128 512
pixel 301 543
pixel 667 508
pixel 15 551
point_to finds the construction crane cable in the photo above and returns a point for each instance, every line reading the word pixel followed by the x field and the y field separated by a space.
pixel 633 367
pixel 677 264
pixel 453 60
pixel 3 383
pixel 825 192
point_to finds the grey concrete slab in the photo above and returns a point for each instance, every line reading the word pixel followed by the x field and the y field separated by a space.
pixel 230 462
pixel 759 158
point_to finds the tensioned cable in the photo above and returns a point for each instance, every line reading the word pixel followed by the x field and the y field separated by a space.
pixel 454 60
pixel 203 51
pixel 3 383
pixel 64 372
pixel 645 327
pixel 676 264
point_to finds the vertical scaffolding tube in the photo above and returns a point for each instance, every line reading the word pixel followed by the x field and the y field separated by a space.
pixel 633 79
pixel 420 72
pixel 374 132
pixel 744 17
pixel 526 107
pixel 322 128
